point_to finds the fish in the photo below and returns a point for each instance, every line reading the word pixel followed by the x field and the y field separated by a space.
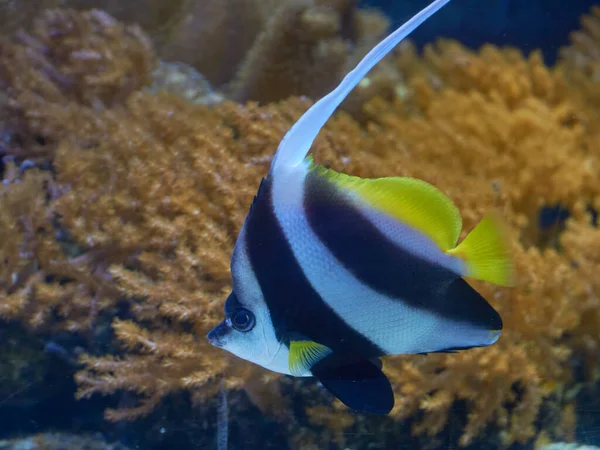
pixel 332 272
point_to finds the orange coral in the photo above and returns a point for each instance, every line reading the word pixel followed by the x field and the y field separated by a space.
pixel 176 199
pixel 70 59
pixel 24 218
pixel 538 312
pixel 505 97
pixel 302 51
pixel 87 58
pixel 265 50
pixel 251 50
pixel 581 60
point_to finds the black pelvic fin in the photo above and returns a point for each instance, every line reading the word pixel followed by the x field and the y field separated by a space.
pixel 361 386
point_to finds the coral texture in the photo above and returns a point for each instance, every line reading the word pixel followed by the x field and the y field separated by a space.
pixel 581 59
pixel 137 218
pixel 262 50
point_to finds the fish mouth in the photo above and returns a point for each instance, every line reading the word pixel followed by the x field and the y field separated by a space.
pixel 216 335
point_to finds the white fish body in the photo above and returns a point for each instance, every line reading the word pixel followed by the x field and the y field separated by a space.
pixel 331 272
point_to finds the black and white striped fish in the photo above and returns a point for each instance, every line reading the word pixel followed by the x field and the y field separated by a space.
pixel 331 272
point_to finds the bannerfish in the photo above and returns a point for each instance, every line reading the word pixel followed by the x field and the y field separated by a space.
pixel 330 272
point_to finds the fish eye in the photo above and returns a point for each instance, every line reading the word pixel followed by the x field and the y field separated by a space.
pixel 243 320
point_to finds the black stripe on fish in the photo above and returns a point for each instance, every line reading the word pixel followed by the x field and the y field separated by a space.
pixel 294 305
pixel 231 304
pixel 385 266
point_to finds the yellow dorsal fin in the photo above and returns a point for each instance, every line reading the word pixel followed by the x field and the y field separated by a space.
pixel 486 252
pixel 304 355
pixel 414 202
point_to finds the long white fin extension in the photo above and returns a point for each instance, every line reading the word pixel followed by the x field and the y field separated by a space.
pixel 297 142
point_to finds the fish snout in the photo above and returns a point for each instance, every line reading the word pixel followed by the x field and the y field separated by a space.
pixel 216 336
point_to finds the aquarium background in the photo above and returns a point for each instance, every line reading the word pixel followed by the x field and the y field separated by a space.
pixel 130 156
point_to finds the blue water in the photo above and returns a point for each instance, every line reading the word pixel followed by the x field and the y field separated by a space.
pixel 528 25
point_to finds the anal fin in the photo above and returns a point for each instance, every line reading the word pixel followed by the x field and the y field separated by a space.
pixel 361 386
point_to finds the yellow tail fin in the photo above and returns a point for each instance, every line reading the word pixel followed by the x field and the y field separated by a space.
pixel 486 252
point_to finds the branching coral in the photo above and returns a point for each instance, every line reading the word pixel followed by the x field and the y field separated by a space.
pixel 69 60
pixel 505 97
pixel 104 238
pixel 268 51
pixel 89 57
pixel 177 196
pixel 504 384
pixel 501 73
pixel 69 57
pixel 24 218
pixel 303 50
pixel 581 60
pixel 264 50
pixel 147 196
pixel 39 286
pixel 249 49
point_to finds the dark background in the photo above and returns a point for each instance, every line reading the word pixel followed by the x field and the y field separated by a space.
pixel 527 24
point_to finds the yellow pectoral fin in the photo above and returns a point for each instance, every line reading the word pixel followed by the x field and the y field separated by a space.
pixel 304 355
pixel 486 252
pixel 414 202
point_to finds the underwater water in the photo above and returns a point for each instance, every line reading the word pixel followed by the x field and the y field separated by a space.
pixel 134 137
